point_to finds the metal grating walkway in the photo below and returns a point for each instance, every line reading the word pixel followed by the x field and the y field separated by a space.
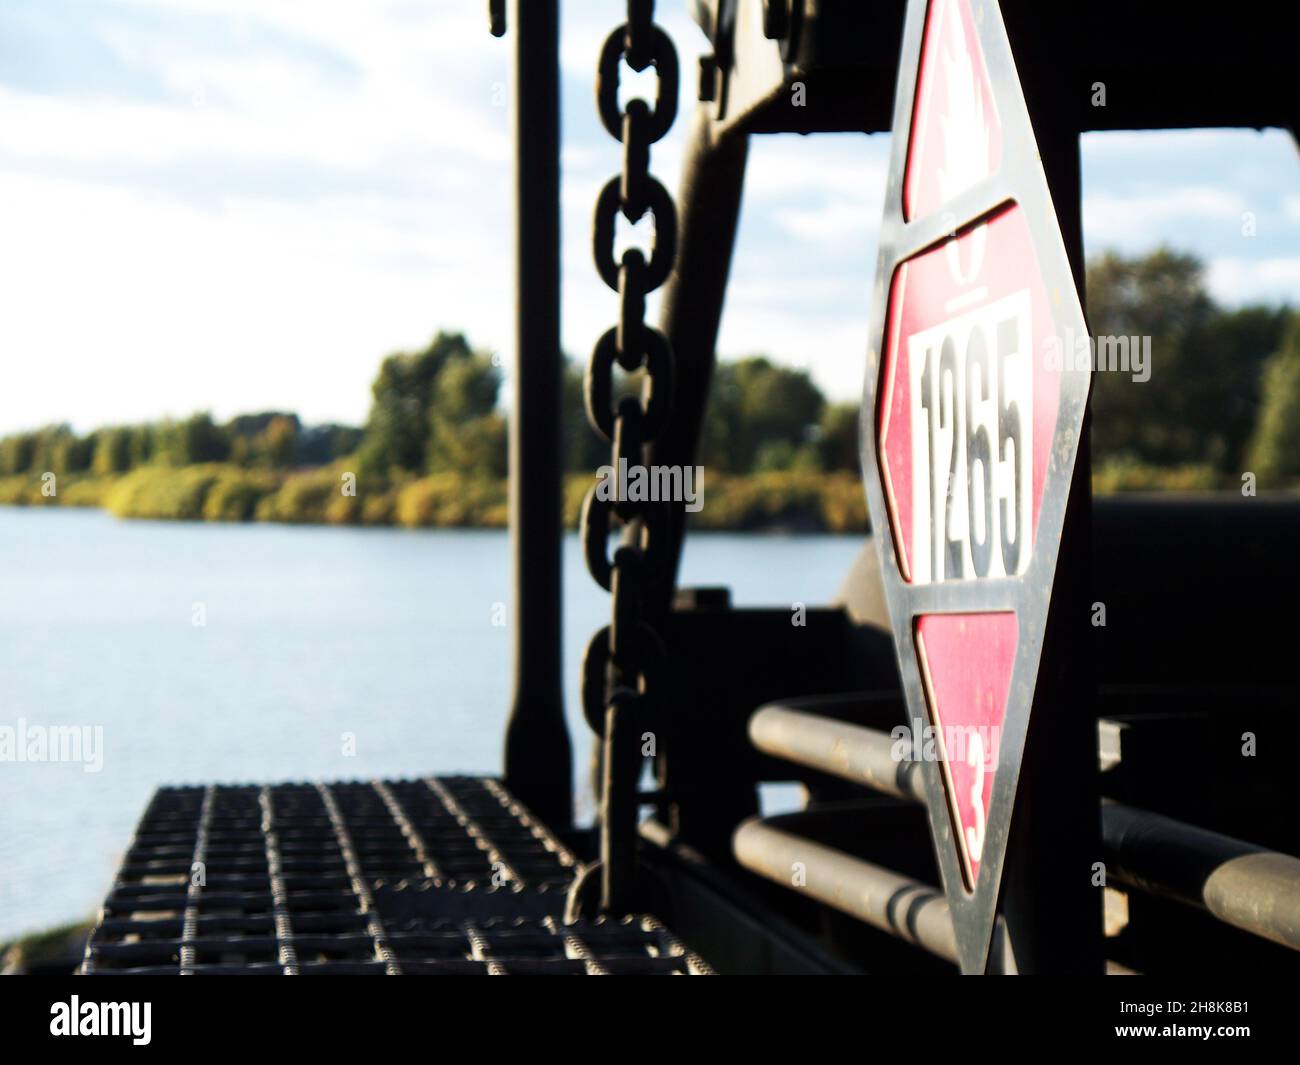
pixel 445 875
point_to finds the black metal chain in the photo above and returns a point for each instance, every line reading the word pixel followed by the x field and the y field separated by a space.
pixel 624 669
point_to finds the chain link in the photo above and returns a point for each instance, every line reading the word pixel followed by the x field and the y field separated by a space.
pixel 624 669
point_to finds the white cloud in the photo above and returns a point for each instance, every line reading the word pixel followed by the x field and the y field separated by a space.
pixel 796 168
pixel 316 185
pixel 265 236
pixel 1141 219
pixel 838 221
pixel 1238 280
pixel 1149 146
pixel 835 354
pixel 122 307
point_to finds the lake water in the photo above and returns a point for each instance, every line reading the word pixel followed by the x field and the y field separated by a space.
pixel 309 633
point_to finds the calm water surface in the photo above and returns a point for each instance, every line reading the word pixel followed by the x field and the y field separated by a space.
pixel 310 633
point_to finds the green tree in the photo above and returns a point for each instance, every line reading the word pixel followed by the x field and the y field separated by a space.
pixel 48 441
pixel 17 453
pixel 72 453
pixel 397 430
pixel 1274 455
pixel 143 444
pixel 1202 398
pixel 279 442
pixel 478 447
pixel 466 388
pixel 837 437
pixel 1224 396
pixel 465 431
pixel 1163 296
pixel 582 446
pixel 322 444
pixel 112 451
pixel 204 441
pixel 267 440
pixel 754 403
pixel 196 439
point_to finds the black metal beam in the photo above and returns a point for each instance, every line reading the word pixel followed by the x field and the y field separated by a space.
pixel 1055 828
pixel 538 756
pixel 1170 68
pixel 713 174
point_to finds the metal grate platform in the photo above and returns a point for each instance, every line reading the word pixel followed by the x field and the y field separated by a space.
pixel 445 875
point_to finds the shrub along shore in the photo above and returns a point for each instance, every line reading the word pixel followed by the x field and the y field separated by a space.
pixel 781 500
pixel 778 500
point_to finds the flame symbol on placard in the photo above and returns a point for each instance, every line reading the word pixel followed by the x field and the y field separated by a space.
pixel 965 136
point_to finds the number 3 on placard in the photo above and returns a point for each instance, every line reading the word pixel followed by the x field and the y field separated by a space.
pixel 975 833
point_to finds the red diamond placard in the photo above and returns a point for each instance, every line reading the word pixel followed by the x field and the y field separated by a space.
pixel 973 421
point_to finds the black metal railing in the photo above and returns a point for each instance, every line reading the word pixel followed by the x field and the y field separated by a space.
pixel 1250 888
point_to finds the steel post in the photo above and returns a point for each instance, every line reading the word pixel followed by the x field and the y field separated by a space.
pixel 713 174
pixel 538 756
pixel 1055 829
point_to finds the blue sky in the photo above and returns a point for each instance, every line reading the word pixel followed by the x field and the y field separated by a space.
pixel 244 204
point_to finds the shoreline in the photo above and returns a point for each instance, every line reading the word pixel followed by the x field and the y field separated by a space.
pixel 786 502
pixel 781 502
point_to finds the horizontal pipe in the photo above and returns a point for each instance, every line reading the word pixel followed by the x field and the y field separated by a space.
pixel 883 899
pixel 1248 887
pixel 1244 885
pixel 862 755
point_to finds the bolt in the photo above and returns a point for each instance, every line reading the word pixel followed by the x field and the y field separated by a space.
pixel 708 79
pixel 776 19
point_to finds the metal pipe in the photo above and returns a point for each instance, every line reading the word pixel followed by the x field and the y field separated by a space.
pixel 538 756
pixel 879 897
pixel 861 755
pixel 1241 884
pixel 1248 887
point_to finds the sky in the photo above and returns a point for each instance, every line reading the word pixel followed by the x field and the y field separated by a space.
pixel 240 205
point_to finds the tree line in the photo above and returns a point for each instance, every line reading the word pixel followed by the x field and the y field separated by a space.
pixel 437 409
pixel 1223 398
pixel 272 440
